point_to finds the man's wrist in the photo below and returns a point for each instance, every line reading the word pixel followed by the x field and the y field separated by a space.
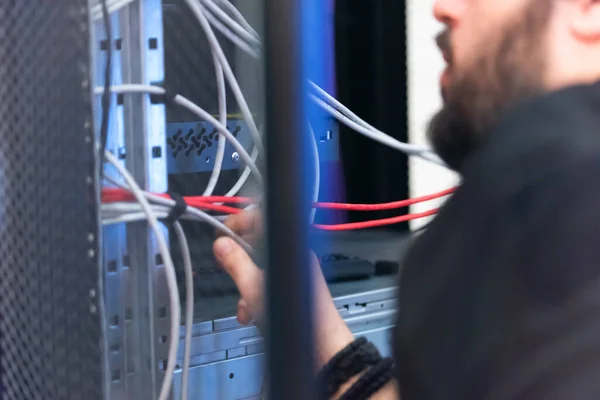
pixel 330 340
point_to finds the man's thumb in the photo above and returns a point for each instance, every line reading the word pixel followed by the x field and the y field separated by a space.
pixel 238 264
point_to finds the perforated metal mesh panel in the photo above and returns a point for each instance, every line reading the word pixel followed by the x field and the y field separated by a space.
pixel 50 331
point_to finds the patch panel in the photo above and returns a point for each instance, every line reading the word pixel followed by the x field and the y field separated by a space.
pixel 192 146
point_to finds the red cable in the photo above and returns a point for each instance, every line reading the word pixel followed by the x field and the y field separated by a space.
pixel 355 207
pixel 217 199
pixel 384 206
pixel 374 223
pixel 119 195
pixel 213 207
pixel 112 195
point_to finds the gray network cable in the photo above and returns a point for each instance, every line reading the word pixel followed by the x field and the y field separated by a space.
pixel 112 5
pixel 222 101
pixel 162 212
pixel 383 139
pixel 174 305
pixel 189 307
pixel 240 43
pixel 196 8
pixel 194 108
pixel 340 111
pixel 240 31
pixel 230 29
pixel 200 14
pixel 226 4
pixel 113 213
pixel 116 5
pixel 254 52
pixel 116 213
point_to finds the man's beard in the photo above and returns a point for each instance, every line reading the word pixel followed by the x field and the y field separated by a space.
pixel 509 69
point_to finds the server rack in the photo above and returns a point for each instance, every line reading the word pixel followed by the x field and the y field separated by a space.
pixel 104 332
pixel 228 360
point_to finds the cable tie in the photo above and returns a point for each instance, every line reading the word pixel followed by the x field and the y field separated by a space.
pixel 178 209
pixel 168 97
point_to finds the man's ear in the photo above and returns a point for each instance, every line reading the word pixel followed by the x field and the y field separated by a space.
pixel 584 19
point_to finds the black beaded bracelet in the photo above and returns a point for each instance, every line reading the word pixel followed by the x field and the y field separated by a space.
pixel 371 382
pixel 341 355
pixel 352 360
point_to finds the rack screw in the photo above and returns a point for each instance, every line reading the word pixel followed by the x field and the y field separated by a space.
pixel 235 157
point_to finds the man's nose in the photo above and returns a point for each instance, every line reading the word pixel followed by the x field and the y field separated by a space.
pixel 449 12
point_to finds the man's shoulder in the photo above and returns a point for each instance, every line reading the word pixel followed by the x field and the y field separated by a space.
pixel 541 140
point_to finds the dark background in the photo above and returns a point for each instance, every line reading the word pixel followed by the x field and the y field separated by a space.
pixel 371 78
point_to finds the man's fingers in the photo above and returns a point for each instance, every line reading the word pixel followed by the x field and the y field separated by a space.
pixel 244 315
pixel 246 275
pixel 246 222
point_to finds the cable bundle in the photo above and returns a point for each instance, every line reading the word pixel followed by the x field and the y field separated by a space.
pixel 118 209
pixel 238 31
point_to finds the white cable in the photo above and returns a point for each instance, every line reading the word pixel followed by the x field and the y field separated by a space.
pixel 221 142
pixel 221 145
pixel 190 212
pixel 189 279
pixel 112 5
pixel 175 306
pixel 131 217
pixel 163 205
pixel 342 108
pixel 216 48
pixel 235 88
pixel 184 102
pixel 234 26
pixel 240 18
pixel 343 111
pixel 317 171
pixel 140 216
pixel 203 216
pixel 121 207
pixel 189 307
pixel 409 149
pixel 243 46
pixel 234 30
pixel 248 169
pixel 229 34
pixel 336 104
pixel 243 178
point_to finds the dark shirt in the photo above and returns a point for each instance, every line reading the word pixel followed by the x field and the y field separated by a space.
pixel 500 297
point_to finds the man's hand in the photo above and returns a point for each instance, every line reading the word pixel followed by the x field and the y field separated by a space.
pixel 247 224
pixel 331 333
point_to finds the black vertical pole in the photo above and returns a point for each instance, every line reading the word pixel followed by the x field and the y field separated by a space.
pixel 289 308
